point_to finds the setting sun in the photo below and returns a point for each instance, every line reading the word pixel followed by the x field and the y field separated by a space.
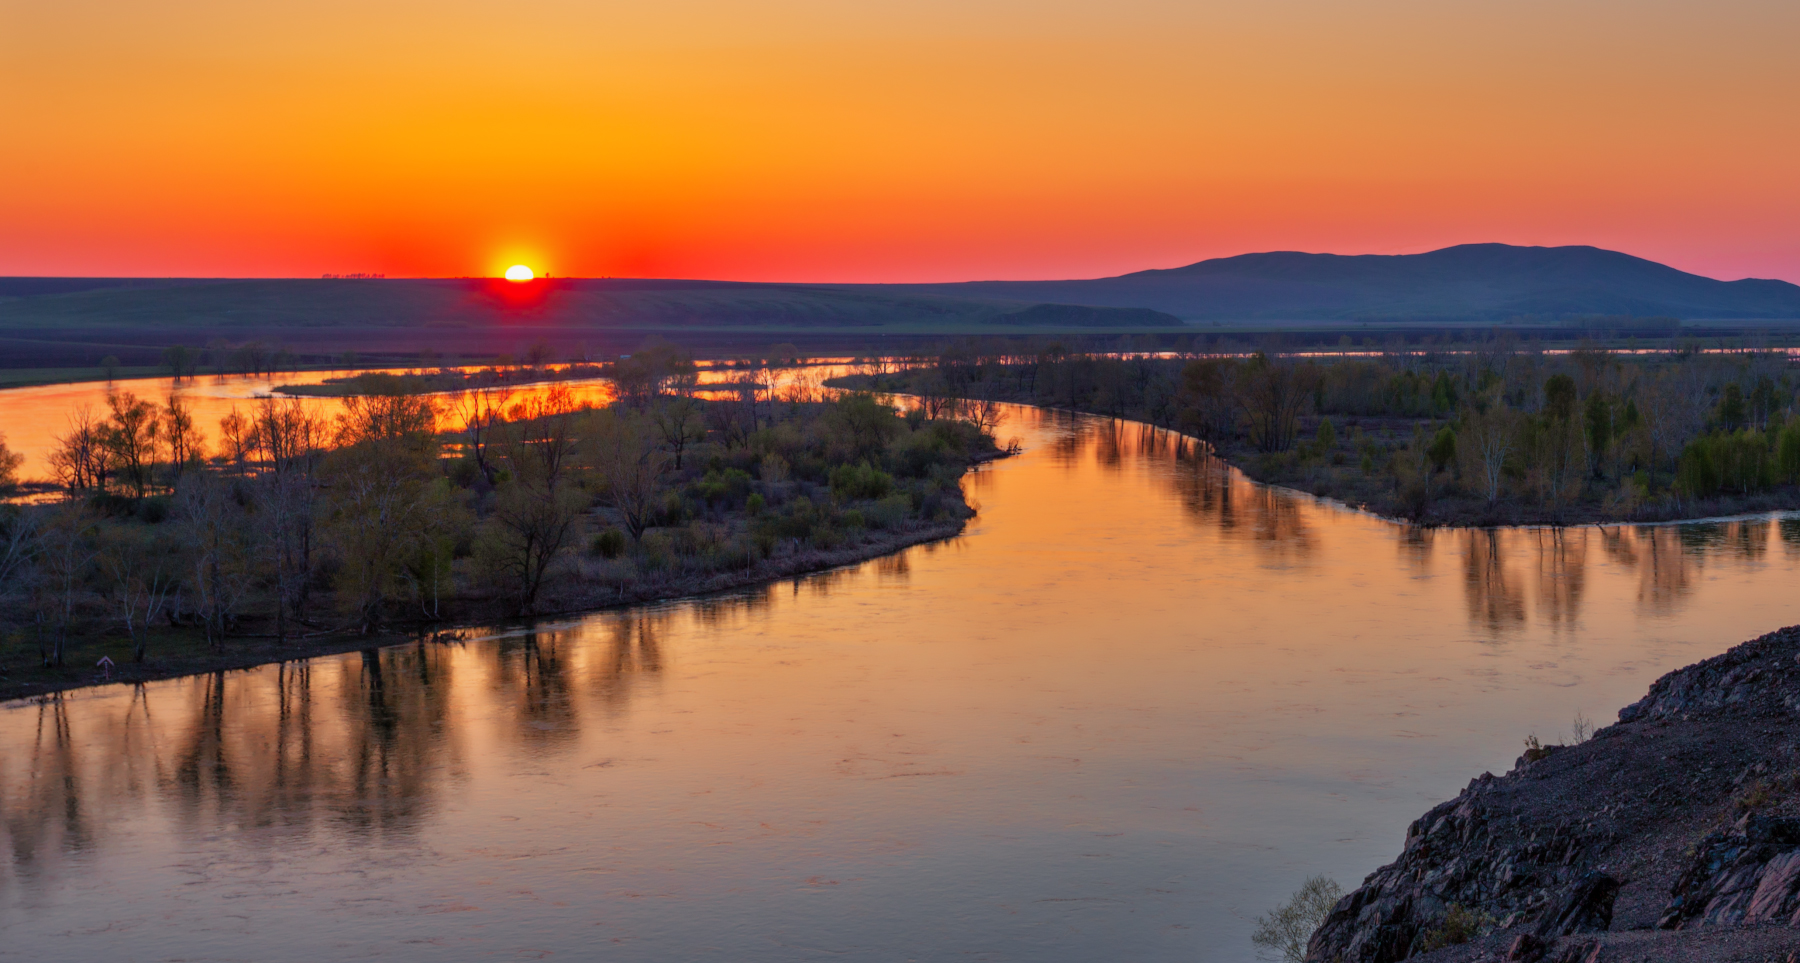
pixel 519 272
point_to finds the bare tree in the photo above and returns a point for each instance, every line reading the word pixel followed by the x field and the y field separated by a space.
pixel 480 410
pixel 680 423
pixel 630 467
pixel 142 573
pixel 130 437
pixel 186 447
pixel 220 544
pixel 1488 437
pixel 65 557
pixel 1273 391
pixel 79 460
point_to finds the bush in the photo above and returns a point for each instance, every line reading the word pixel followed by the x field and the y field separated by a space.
pixel 889 512
pixel 859 482
pixel 1460 925
pixel 1283 933
pixel 1787 454
pixel 755 504
pixel 608 544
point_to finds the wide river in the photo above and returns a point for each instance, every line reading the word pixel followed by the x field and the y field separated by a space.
pixel 1135 705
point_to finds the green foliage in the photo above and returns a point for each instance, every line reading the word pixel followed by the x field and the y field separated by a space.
pixel 1732 411
pixel 608 544
pixel 857 482
pixel 1559 397
pixel 1738 462
pixel 1282 933
pixel 1459 926
pixel 755 504
pixel 1787 454
pixel 1326 438
pixel 1443 448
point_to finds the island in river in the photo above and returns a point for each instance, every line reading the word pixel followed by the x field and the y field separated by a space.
pixel 300 536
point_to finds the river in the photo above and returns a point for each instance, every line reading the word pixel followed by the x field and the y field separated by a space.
pixel 1133 706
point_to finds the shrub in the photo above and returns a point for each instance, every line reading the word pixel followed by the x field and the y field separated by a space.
pixel 608 544
pixel 1443 448
pixel 860 482
pixel 889 512
pixel 755 504
pixel 1283 933
pixel 1460 925
pixel 1787 453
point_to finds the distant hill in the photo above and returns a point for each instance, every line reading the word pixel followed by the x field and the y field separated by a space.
pixel 572 302
pixel 75 321
pixel 1469 282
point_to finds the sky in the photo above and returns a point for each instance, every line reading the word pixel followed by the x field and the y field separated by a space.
pixel 880 140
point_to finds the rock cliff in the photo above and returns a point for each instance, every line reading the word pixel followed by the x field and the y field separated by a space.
pixel 1672 835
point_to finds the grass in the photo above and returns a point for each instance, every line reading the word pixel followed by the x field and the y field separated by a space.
pixel 30 377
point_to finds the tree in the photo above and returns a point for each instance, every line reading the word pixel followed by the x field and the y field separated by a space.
pixel 535 508
pixel 9 466
pixel 1488 437
pixel 407 418
pixel 290 440
pixel 65 556
pixel 142 572
pixel 530 526
pixel 1283 933
pixel 1272 392
pixel 79 460
pixel 386 506
pixel 129 437
pixel 630 467
pixel 220 540
pixel 1211 403
pixel 237 438
pixel 871 424
pixel 480 410
pixel 187 449
pixel 681 422
pixel 181 361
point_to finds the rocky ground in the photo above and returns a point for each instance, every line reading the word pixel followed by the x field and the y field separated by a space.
pixel 1673 835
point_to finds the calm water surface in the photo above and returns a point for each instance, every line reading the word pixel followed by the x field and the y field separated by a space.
pixel 1134 706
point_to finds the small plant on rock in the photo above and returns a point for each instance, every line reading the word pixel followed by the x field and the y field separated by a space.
pixel 1460 925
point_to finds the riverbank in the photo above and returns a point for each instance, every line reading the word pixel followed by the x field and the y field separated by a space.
pixel 185 653
pixel 1401 468
pixel 1673 835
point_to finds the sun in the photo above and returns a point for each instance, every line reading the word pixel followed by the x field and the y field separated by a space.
pixel 519 272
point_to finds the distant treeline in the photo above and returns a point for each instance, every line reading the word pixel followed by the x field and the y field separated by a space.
pixel 1494 433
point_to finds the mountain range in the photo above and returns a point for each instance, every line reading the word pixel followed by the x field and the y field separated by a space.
pixel 1468 282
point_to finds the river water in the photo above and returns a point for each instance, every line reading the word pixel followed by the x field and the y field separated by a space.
pixel 1133 706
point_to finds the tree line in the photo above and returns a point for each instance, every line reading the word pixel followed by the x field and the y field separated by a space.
pixel 408 508
pixel 1497 430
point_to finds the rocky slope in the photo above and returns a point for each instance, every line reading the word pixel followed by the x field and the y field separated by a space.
pixel 1672 835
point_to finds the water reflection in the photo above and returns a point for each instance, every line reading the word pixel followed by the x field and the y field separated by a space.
pixel 1134 670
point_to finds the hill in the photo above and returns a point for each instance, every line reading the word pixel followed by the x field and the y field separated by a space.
pixel 1469 282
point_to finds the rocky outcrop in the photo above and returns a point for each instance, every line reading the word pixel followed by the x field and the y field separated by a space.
pixel 1676 831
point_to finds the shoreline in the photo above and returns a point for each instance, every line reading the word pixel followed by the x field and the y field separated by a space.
pixel 1464 514
pixel 265 650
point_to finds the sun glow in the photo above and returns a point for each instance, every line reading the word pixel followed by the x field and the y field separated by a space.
pixel 519 272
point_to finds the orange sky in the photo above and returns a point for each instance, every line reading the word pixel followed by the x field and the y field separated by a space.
pixel 886 140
